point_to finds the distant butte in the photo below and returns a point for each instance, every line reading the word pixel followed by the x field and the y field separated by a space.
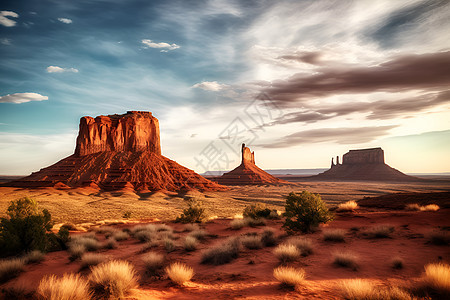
pixel 363 164
pixel 247 173
pixel 118 152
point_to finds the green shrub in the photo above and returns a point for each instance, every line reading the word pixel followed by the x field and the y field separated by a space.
pixel 26 228
pixel 256 211
pixel 195 213
pixel 305 211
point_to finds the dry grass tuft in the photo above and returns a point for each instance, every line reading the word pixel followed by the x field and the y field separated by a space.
pixel 437 277
pixel 153 262
pixel 345 259
pixel 190 243
pixel 251 242
pixel 19 291
pixel 334 235
pixel 198 234
pixel 347 206
pixel 145 235
pixel 179 273
pixel 120 236
pixel 380 231
pixel 417 207
pixel 305 245
pixel 289 276
pixel 191 227
pixel 255 222
pixel 92 259
pixel 114 278
pixel 397 263
pixel 268 238
pixel 358 289
pixel 76 251
pixel 169 245
pixel 110 243
pixel 11 268
pixel 286 253
pixel 149 245
pixel 238 224
pixel 89 241
pixel 68 287
pixel 34 257
pixel 223 253
pixel 440 238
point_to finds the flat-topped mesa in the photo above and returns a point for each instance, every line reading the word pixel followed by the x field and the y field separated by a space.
pixel 134 131
pixel 364 156
pixel 247 155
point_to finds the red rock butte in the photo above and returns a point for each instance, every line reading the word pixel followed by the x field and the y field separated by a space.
pixel 363 164
pixel 118 152
pixel 248 173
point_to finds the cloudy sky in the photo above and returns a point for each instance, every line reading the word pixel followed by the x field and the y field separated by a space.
pixel 298 81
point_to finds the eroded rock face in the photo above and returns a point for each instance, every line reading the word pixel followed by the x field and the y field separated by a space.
pixel 247 155
pixel 364 156
pixel 133 131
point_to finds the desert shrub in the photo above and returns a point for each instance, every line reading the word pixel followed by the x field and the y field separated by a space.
pixel 268 238
pixel 358 289
pixel 437 278
pixel 195 213
pixel 190 243
pixel 114 278
pixel 76 251
pixel 251 242
pixel 33 257
pixel 68 287
pixel 256 211
pixel 138 228
pixel 169 245
pixel 379 231
pixel 90 243
pixel 145 235
pixel 440 238
pixel 347 206
pixel 153 262
pixel 255 222
pixel 92 259
pixel 417 207
pixel 149 245
pixel 179 273
pixel 25 228
pixel 238 223
pixel 289 276
pixel 286 253
pixel 11 268
pixel 198 234
pixel 191 227
pixel 110 243
pixel 163 227
pixel 305 211
pixel 223 253
pixel 346 260
pixel 304 245
pixel 126 214
pixel 397 263
pixel 107 230
pixel 334 235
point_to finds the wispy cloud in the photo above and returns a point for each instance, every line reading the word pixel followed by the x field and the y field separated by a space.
pixel 5 41
pixel 163 46
pixel 210 86
pixel 342 135
pixel 7 21
pixel 56 69
pixel 19 98
pixel 65 20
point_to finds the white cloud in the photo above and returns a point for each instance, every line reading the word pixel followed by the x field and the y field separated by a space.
pixel 18 98
pixel 164 46
pixel 210 86
pixel 5 41
pixel 56 69
pixel 65 20
pixel 6 21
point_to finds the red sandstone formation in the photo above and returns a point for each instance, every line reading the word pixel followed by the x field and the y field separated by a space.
pixel 363 164
pixel 118 152
pixel 248 173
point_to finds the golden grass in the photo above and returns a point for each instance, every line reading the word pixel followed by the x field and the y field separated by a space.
pixel 345 259
pixel 289 276
pixel 92 259
pixel 286 253
pixel 347 206
pixel 437 277
pixel 190 243
pixel 179 273
pixel 334 235
pixel 305 245
pixel 358 289
pixel 114 278
pixel 11 268
pixel 417 207
pixel 68 287
pixel 153 262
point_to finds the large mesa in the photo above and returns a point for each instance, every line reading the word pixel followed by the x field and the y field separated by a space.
pixel 118 152
pixel 247 173
pixel 363 164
